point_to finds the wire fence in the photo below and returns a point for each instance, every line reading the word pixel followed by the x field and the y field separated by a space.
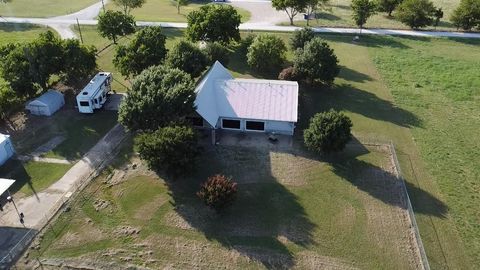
pixel 73 197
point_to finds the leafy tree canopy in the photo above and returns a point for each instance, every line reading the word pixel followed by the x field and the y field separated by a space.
pixel 328 132
pixel 388 5
pixel 113 24
pixel 159 95
pixel 173 149
pixel 467 15
pixel 266 53
pixel 215 51
pixel 300 37
pixel 128 5
pixel 187 57
pixel 416 13
pixel 213 23
pixel 146 49
pixel 291 7
pixel 362 10
pixel 316 62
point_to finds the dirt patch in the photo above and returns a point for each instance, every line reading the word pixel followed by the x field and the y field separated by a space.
pixel 126 231
pixel 86 234
pixel 100 204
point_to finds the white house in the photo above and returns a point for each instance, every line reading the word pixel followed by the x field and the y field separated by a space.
pixel 246 104
pixel 94 95
pixel 6 148
pixel 46 104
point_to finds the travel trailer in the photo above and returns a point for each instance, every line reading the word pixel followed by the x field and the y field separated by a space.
pixel 94 95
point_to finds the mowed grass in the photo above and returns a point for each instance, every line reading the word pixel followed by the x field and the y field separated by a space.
pixel 32 177
pixel 338 13
pixel 364 91
pixel 42 8
pixel 307 215
pixel 107 51
pixel 166 11
pixel 438 81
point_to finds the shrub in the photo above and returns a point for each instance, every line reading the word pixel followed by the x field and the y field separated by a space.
pixel 218 192
pixel 8 100
pixel 267 53
pixel 467 15
pixel 328 132
pixel 187 57
pixel 288 74
pixel 416 13
pixel 215 51
pixel 172 148
pixel 316 62
pixel 245 43
pixel 300 37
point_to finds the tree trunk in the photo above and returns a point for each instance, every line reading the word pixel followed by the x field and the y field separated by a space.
pixel 178 6
pixel 291 20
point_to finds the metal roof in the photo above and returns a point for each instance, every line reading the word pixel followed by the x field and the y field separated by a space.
pixel 92 87
pixel 220 95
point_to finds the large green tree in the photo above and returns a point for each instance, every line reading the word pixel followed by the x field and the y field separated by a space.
pixel 328 132
pixel 266 53
pixel 316 62
pixel 159 95
pixel 467 15
pixel 15 69
pixel 146 49
pixel 8 100
pixel 291 7
pixel 80 61
pixel 388 6
pixel 213 23
pixel 128 5
pixel 362 10
pixel 112 24
pixel 187 57
pixel 172 148
pixel 416 13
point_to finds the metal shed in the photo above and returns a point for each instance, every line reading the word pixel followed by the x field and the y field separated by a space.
pixel 6 148
pixel 46 104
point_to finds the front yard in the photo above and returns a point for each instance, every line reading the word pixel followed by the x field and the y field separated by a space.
pixel 292 210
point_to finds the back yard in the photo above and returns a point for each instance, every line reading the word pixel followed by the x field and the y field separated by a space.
pixel 428 108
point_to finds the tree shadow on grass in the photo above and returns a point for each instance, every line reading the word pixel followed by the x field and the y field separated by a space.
pixel 375 41
pixel 15 169
pixel 15 27
pixel 265 217
pixel 384 185
pixel 347 97
pixel 353 75
pixel 326 16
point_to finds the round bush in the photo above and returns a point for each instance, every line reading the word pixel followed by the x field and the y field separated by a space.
pixel 215 51
pixel 218 192
pixel 300 37
pixel 267 53
pixel 187 57
pixel 328 132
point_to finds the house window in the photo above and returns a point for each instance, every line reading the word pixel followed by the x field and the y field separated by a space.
pixel 255 125
pixel 233 124
pixel 196 121
pixel 84 103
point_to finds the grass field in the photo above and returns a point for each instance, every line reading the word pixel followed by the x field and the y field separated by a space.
pixel 32 177
pixel 42 8
pixel 166 11
pixel 338 13
pixel 307 215
pixel 427 108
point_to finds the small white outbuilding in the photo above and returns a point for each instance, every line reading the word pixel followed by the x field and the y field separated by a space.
pixel 46 104
pixel 6 148
pixel 249 105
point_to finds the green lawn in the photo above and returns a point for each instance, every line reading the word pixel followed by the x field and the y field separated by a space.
pixel 419 105
pixel 32 177
pixel 42 8
pixel 166 11
pixel 338 13
pixel 303 215
pixel 82 133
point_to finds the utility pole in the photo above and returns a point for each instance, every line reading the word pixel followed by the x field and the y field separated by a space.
pixel 80 31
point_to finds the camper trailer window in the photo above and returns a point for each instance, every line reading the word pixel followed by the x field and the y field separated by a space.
pixel 96 101
pixel 84 103
pixel 100 99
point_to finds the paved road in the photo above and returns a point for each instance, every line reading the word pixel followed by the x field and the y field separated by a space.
pixel 263 18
